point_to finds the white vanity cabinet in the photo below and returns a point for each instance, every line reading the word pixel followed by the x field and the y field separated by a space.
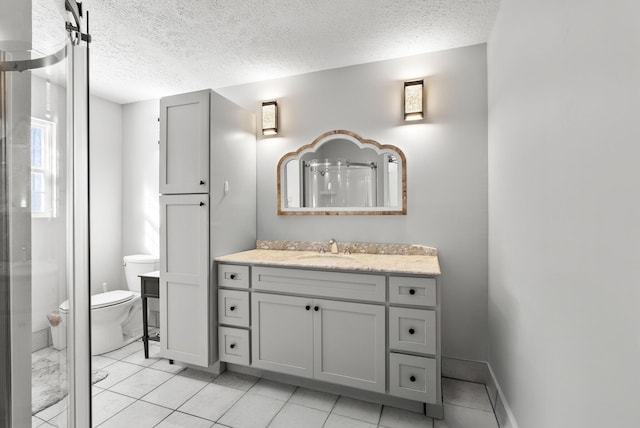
pixel 183 287
pixel 368 331
pixel 414 339
pixel 349 344
pixel 282 333
pixel 337 342
pixel 207 208
pixel 184 143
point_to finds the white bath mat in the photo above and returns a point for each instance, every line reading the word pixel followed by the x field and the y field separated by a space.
pixel 49 382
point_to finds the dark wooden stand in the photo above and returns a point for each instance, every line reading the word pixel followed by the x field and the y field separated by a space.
pixel 149 287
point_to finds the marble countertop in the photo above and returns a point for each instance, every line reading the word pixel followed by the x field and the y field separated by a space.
pixel 387 263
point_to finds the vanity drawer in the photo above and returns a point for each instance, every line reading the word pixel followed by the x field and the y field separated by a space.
pixel 234 276
pixel 412 291
pixel 412 330
pixel 233 307
pixel 415 378
pixel 320 283
pixel 233 345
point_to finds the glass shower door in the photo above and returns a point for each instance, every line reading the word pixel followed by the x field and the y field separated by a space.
pixel 45 363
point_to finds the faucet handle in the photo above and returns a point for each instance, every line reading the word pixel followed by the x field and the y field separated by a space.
pixel 321 250
pixel 347 251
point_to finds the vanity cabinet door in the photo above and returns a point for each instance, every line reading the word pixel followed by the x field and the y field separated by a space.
pixel 184 278
pixel 349 344
pixel 184 143
pixel 282 336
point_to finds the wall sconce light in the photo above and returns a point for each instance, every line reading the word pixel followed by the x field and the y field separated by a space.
pixel 269 118
pixel 413 104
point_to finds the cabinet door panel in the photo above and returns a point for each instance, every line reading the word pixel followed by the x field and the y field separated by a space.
pixel 184 143
pixel 184 279
pixel 282 336
pixel 349 344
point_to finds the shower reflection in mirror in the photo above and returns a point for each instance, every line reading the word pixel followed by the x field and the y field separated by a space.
pixel 342 173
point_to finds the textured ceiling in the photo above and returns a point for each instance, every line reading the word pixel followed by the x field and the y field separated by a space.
pixel 149 48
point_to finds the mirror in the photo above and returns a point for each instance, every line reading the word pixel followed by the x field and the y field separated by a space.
pixel 340 173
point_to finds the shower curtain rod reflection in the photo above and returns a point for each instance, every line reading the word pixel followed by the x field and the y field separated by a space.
pixel 340 163
pixel 32 64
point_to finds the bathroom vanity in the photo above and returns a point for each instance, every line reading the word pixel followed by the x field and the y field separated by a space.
pixel 363 322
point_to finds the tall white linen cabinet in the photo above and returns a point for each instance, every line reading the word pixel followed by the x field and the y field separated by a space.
pixel 207 209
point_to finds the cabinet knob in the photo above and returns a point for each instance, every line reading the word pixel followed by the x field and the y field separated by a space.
pixel 233 345
pixel 412 291
pixel 307 307
pixel 202 182
pixel 411 331
pixel 412 378
pixel 202 204
pixel 232 276
pixel 316 308
pixel 232 308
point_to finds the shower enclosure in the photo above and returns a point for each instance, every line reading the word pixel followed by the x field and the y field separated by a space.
pixel 44 238
pixel 340 183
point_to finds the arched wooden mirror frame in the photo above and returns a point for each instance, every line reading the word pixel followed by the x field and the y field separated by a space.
pixel 401 209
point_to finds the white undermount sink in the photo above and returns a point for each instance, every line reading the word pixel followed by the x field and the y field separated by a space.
pixel 326 257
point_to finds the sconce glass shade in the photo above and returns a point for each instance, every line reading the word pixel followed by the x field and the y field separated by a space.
pixel 413 105
pixel 269 118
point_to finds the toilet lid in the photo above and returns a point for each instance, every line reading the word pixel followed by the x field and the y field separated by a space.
pixel 103 300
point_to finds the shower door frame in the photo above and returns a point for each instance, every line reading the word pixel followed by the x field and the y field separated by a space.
pixel 13 369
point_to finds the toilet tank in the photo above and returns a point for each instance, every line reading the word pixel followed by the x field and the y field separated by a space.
pixel 138 264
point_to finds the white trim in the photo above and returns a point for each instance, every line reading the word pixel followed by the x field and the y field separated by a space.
pixel 511 419
pixel 48 168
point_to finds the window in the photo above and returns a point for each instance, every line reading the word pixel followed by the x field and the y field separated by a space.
pixel 43 168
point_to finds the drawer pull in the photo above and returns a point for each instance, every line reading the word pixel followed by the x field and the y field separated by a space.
pixel 202 182
pixel 232 276
pixel 412 291
pixel 233 345
pixel 232 308
pixel 307 307
pixel 316 308
pixel 202 204
pixel 411 331
pixel 412 378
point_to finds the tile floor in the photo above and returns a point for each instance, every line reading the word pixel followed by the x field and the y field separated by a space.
pixel 152 393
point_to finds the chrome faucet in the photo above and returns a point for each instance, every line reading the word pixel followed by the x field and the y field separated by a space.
pixel 334 246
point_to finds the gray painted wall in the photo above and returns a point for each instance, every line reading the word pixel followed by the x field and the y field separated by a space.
pixel 140 179
pixel 446 159
pixel 106 194
pixel 563 201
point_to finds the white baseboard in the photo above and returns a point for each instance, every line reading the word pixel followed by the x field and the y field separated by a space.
pixel 480 372
pixel 503 412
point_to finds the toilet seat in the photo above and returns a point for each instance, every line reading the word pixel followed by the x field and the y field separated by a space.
pixel 103 300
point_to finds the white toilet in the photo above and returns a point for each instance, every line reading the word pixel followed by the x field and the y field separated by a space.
pixel 116 316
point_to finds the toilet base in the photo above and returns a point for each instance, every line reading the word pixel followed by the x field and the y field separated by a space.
pixel 109 336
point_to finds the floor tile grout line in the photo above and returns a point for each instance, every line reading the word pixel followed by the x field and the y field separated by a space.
pixel 181 404
pixel 284 403
pixel 380 414
pixel 235 402
pixel 116 413
pixel 314 408
pixel 191 414
pixel 470 408
pixel 331 411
